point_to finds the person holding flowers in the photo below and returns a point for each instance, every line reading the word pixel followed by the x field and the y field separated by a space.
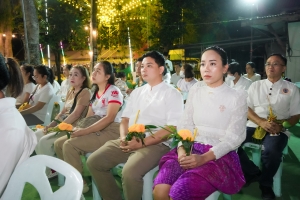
pixel 273 106
pixel 17 139
pixel 217 115
pixel 40 97
pixel 75 108
pixel 156 103
pixel 101 122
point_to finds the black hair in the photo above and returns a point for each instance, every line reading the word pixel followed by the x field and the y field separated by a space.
pixel 45 71
pixel 282 57
pixel 158 58
pixel 121 75
pixel 68 66
pixel 29 69
pixel 178 63
pixel 188 71
pixel 10 76
pixel 252 64
pixel 234 67
pixel 108 70
pixel 220 51
pixel 4 75
pixel 140 59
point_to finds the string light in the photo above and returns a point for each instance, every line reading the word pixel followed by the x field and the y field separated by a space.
pixel 42 54
pixel 62 52
pixel 111 11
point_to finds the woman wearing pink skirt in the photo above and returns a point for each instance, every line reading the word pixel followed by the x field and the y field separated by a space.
pixel 219 115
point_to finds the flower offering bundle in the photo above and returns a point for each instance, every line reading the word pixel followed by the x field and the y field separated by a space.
pixel 184 136
pixel 138 131
pixel 62 128
pixel 260 133
pixel 24 106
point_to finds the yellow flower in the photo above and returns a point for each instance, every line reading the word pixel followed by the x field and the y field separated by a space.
pixel 65 127
pixel 56 103
pixel 185 134
pixel 39 126
pixel 24 106
pixel 140 128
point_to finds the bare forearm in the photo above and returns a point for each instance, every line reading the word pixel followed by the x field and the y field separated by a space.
pixel 30 110
pixel 157 137
pixel 124 128
pixel 98 126
pixel 293 120
pixel 71 118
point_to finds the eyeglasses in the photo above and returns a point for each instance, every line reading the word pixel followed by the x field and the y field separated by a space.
pixel 34 77
pixel 273 65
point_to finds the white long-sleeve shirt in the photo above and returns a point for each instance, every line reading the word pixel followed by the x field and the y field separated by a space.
pixel 17 140
pixel 219 114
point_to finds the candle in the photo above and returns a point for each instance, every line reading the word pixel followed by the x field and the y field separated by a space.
pixel 195 133
pixel 136 117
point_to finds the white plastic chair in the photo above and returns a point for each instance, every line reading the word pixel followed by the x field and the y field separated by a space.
pixel 33 171
pixel 256 158
pixel 57 99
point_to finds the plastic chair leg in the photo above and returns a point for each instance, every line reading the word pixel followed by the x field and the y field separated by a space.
pixel 256 157
pixel 61 180
pixel 226 196
pixel 148 184
pixel 213 196
pixel 277 181
pixel 96 194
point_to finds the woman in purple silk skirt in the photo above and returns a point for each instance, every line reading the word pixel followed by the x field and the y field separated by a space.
pixel 219 115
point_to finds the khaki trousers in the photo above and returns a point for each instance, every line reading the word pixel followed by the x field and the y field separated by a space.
pixel 137 164
pixel 70 150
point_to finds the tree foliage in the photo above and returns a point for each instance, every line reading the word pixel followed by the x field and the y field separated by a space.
pixel 65 24
pixel 179 22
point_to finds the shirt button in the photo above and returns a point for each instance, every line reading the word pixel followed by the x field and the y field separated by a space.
pixel 270 94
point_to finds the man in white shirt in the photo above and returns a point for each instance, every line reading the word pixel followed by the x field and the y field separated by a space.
pixel 168 63
pixel 176 76
pixel 284 99
pixel 234 78
pixel 158 104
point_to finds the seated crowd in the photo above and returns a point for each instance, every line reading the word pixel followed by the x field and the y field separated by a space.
pixel 216 111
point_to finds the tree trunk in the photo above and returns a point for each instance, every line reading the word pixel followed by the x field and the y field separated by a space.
pixel 32 25
pixel 8 46
pixel 1 44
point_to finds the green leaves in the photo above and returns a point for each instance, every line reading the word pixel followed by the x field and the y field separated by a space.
pixel 138 136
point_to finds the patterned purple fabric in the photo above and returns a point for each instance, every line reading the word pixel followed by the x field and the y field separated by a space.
pixel 224 174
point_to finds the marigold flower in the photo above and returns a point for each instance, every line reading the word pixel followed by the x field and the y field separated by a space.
pixel 39 126
pixel 140 128
pixel 65 127
pixel 185 134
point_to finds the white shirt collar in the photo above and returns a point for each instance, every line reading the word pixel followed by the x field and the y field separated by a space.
pixel 277 83
pixel 215 89
pixel 156 87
